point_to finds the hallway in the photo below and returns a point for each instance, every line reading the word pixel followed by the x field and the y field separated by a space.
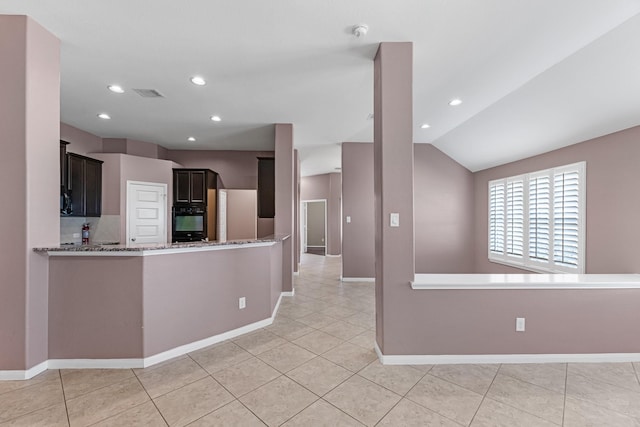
pixel 315 366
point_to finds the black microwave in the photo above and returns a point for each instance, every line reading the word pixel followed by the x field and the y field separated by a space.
pixel 189 223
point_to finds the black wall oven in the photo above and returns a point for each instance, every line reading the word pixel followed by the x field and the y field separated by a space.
pixel 189 223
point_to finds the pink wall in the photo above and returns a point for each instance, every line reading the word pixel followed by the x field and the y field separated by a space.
pixel 237 169
pixel 326 187
pixel 358 239
pixel 242 214
pixel 483 321
pixel 95 307
pixel 178 311
pixel 443 201
pixel 133 307
pixel 80 142
pixel 284 199
pixel 443 204
pixel 134 148
pixel 613 205
pixel 30 130
pixel 296 207
pixel 392 182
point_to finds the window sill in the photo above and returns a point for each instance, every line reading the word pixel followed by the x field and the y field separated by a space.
pixel 525 281
pixel 535 267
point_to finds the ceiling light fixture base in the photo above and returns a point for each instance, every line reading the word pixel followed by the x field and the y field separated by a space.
pixel 360 30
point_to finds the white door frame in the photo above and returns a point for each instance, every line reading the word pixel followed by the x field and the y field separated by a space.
pixel 303 224
pixel 128 213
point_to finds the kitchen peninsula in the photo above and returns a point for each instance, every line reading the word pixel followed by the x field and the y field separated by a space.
pixel 134 306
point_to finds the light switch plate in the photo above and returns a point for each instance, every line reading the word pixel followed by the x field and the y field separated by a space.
pixel 348 219
pixel 394 220
pixel 242 302
pixel 519 324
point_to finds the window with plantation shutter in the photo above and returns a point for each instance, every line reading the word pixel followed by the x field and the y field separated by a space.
pixel 536 221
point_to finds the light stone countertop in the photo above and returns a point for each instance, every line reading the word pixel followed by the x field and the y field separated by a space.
pixel 156 248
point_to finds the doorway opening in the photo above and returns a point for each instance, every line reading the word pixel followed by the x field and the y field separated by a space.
pixel 313 224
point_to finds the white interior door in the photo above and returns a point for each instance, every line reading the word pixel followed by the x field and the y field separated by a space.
pixel 146 212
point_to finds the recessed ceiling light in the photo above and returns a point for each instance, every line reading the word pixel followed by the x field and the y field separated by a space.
pixel 104 116
pixel 197 80
pixel 425 126
pixel 216 118
pixel 115 88
pixel 455 102
pixel 191 139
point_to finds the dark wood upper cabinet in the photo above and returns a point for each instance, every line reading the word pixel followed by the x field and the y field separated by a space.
pixel 190 186
pixel 93 188
pixel 84 185
pixel 181 186
pixel 198 187
pixel 266 187
pixel 63 164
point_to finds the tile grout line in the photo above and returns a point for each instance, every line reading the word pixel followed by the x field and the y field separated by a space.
pixel 593 402
pixel 633 366
pixel 150 398
pixel 564 402
pixel 485 394
pixel 520 409
pixel 235 399
pixel 64 397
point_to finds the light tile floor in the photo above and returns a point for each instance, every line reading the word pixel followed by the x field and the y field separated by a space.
pixel 315 366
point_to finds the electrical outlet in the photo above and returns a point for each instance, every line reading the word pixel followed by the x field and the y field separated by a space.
pixel 242 302
pixel 519 324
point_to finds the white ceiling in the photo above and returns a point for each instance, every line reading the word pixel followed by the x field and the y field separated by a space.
pixel 533 75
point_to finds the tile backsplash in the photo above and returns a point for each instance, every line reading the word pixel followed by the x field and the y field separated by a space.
pixel 105 229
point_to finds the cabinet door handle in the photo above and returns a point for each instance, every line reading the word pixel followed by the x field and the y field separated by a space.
pixel 133 239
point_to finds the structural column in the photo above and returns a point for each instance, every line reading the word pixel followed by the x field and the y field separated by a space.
pixel 29 167
pixel 393 186
pixel 296 208
pixel 285 197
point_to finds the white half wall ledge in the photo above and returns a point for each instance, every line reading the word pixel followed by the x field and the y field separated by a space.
pixel 139 362
pixel 525 281
pixel 459 359
pixel 358 279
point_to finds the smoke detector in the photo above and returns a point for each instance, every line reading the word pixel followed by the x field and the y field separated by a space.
pixel 360 30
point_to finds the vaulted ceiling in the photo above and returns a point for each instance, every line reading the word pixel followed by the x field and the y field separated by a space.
pixel 533 75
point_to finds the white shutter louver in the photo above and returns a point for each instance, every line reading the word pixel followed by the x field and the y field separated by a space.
pixel 539 217
pixel 566 216
pixel 496 218
pixel 515 218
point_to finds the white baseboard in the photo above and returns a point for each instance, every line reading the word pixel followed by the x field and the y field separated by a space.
pixel 24 375
pixel 289 294
pixel 453 359
pixel 357 279
pixel 140 362
pixel 333 256
pixel 296 273
pixel 95 363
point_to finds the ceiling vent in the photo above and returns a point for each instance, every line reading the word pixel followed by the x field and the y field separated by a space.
pixel 148 93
